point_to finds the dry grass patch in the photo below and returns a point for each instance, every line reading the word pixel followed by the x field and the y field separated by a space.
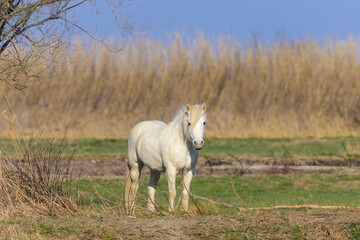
pixel 275 224
pixel 36 184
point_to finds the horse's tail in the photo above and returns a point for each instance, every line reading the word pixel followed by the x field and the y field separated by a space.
pixel 127 193
pixel 132 178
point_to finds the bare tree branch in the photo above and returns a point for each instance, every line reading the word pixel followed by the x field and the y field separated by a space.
pixel 31 28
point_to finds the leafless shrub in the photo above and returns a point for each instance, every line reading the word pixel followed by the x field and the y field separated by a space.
pixel 38 183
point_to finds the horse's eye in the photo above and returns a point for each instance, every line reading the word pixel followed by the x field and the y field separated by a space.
pixel 189 123
pixel 204 123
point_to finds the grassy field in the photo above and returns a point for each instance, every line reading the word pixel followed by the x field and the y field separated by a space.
pixel 103 217
pixel 330 147
pixel 101 199
pixel 256 191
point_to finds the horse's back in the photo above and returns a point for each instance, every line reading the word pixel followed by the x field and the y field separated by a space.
pixel 143 143
pixel 144 127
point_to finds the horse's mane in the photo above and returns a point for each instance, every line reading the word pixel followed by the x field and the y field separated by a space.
pixel 180 113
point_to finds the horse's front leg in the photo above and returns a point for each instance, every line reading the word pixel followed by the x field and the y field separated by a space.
pixel 171 177
pixel 187 177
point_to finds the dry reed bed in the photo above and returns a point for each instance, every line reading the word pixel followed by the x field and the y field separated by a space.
pixel 287 89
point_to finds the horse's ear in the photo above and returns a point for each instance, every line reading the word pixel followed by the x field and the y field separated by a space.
pixel 203 107
pixel 187 109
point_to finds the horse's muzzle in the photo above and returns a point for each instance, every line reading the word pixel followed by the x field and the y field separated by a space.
pixel 198 144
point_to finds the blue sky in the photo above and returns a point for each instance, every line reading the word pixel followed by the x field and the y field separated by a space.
pixel 267 19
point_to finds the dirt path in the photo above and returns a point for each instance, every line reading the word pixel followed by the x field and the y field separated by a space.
pixel 104 166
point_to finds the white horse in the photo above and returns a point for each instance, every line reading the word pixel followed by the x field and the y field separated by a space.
pixel 169 148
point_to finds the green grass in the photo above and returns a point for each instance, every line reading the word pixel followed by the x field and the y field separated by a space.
pixel 98 147
pixel 354 230
pixel 250 147
pixel 256 191
pixel 79 147
pixel 283 147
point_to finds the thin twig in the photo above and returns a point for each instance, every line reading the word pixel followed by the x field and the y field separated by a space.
pixel 237 195
pixel 276 207
pixel 217 203
pixel 201 212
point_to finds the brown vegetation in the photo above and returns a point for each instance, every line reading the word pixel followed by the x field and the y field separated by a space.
pixel 287 89
pixel 37 184
pixel 311 224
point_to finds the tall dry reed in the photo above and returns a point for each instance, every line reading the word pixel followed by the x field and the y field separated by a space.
pixel 286 89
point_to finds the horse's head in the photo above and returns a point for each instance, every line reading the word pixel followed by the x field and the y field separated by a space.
pixel 195 122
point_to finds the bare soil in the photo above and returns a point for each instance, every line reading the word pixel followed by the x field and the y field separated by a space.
pixel 310 224
pixel 105 166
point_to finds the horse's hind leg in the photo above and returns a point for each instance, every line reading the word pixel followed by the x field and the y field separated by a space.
pixel 131 185
pixel 154 178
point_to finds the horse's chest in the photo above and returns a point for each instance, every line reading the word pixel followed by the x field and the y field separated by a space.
pixel 183 162
pixel 180 159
